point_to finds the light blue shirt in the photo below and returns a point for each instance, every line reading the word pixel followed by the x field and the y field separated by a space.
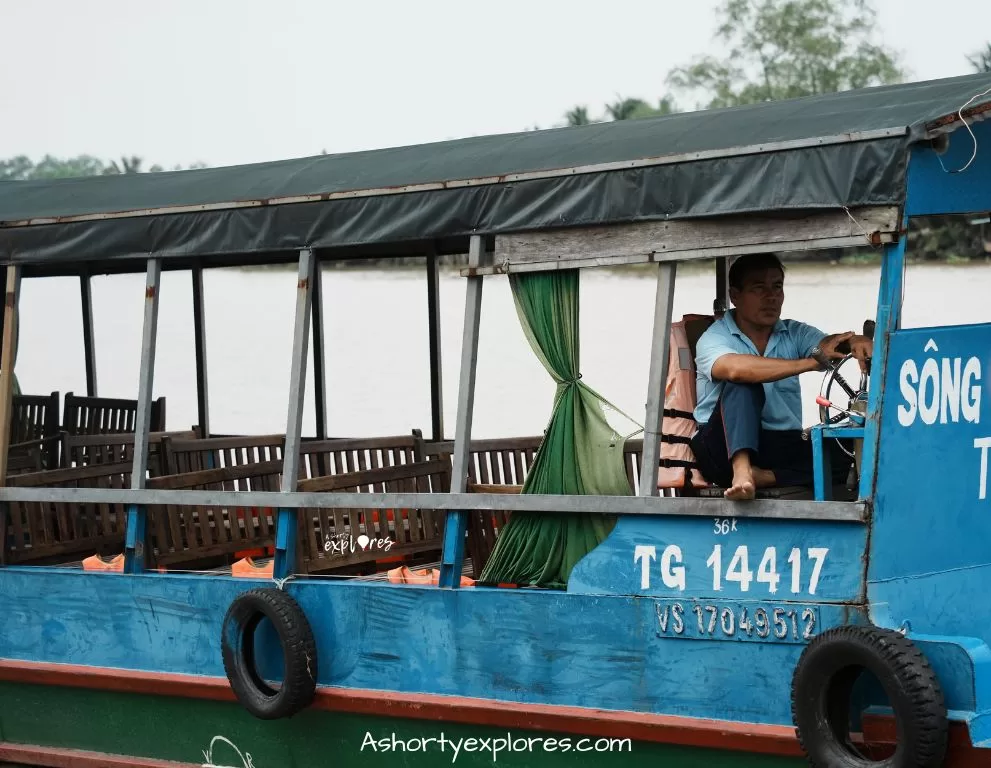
pixel 790 340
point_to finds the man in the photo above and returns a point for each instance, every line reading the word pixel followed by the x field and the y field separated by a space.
pixel 749 399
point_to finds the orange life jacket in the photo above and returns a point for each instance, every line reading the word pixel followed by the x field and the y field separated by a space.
pixel 404 575
pixel 679 424
pixel 245 568
pixel 97 563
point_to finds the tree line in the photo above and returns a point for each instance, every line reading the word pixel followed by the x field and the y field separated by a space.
pixel 22 168
pixel 782 49
pixel 777 49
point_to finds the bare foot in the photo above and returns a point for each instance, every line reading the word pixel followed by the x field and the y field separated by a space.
pixel 764 478
pixel 744 487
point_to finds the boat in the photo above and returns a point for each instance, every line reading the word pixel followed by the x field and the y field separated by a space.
pixel 170 596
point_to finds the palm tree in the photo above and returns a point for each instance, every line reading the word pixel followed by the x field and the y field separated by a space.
pixel 626 109
pixel 666 106
pixel 578 116
pixel 981 61
pixel 127 165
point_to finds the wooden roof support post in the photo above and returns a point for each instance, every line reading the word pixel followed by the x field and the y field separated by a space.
pixel 89 349
pixel 319 373
pixel 433 319
pixel 455 530
pixel 286 528
pixel 7 356
pixel 657 381
pixel 134 544
pixel 199 340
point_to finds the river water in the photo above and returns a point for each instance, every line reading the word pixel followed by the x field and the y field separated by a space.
pixel 376 347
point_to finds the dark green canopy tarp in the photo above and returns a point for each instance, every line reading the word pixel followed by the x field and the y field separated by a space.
pixel 845 149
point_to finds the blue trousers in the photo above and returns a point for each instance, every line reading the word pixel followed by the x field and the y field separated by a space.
pixel 735 425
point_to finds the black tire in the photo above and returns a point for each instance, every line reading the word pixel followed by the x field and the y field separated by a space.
pixel 821 698
pixel 299 653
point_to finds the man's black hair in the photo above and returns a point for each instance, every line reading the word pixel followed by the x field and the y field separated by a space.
pixel 752 262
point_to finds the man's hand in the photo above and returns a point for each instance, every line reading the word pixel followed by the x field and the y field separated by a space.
pixel 829 344
pixel 861 347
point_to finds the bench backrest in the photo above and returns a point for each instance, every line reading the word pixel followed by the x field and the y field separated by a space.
pixel 328 538
pixel 34 417
pixel 209 535
pixel 500 461
pixel 183 455
pixel 338 456
pixel 45 532
pixel 81 450
pixel 85 415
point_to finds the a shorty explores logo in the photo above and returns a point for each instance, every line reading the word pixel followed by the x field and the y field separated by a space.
pixel 345 544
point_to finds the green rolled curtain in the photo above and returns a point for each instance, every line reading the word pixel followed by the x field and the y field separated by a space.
pixel 580 453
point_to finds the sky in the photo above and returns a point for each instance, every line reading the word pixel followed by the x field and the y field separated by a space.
pixel 224 82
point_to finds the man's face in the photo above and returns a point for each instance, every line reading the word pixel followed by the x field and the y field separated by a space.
pixel 759 301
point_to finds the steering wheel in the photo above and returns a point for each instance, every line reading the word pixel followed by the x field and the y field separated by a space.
pixel 835 378
pixel 830 409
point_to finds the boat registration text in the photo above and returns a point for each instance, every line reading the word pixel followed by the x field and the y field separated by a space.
pixel 756 622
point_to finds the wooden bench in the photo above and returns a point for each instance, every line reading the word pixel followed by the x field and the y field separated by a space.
pixel 318 458
pixel 192 454
pixel 53 532
pixel 209 536
pixel 82 450
pixel 338 456
pixel 34 432
pixel 328 538
pixel 34 417
pixel 496 462
pixel 85 415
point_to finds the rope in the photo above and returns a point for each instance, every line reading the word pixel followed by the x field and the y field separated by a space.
pixel 972 136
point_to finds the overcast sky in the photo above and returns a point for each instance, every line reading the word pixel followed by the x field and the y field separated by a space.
pixel 240 81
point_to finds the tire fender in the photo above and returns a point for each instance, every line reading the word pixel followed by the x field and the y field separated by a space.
pixel 823 682
pixel 299 653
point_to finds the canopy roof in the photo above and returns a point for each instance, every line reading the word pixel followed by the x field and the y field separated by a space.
pixel 844 149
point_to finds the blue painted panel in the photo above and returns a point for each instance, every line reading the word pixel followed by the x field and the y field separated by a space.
pixel 931 546
pixel 134 544
pixel 285 543
pixel 932 190
pixel 517 645
pixel 727 559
